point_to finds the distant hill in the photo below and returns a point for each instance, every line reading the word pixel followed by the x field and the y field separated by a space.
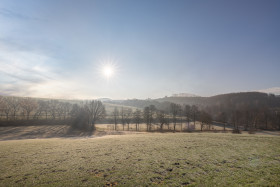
pixel 183 100
pixel 104 99
pixel 140 103
pixel 245 97
pixel 224 100
pixel 184 95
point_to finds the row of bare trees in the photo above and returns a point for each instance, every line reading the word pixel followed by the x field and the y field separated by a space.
pixel 87 113
pixel 245 118
pixel 15 108
pixel 150 115
pixel 251 118
pixel 84 114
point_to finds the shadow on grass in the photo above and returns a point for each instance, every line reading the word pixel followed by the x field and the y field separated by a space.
pixel 42 131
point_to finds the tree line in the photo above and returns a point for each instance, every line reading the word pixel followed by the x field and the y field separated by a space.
pixel 247 110
pixel 17 108
pixel 151 116
pixel 85 114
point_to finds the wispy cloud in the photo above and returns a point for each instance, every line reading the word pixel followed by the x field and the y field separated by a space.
pixel 21 69
pixel 11 14
pixel 27 72
pixel 23 65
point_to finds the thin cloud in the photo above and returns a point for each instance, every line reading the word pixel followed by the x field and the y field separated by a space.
pixel 28 73
pixel 22 69
pixel 11 14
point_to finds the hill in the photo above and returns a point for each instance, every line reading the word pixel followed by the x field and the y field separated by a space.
pixel 231 99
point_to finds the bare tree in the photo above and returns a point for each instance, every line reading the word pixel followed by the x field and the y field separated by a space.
pixel 122 117
pixel 66 107
pixel 14 105
pixel 60 109
pixel 247 118
pixel 5 108
pixel 53 107
pixel 205 119
pixel 181 117
pixel 95 111
pixel 1 106
pixel 148 116
pixel 80 119
pixel 28 105
pixel 256 118
pixel 75 111
pixel 137 118
pixel 153 110
pixel 224 119
pixel 188 115
pixel 174 108
pixel 43 107
pixel 194 111
pixel 266 116
pixel 128 117
pixel 277 115
pixel 116 116
pixel 161 117
pixel 236 119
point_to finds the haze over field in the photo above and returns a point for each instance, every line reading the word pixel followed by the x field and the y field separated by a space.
pixel 138 49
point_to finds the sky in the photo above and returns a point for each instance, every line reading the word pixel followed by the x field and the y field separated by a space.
pixel 153 48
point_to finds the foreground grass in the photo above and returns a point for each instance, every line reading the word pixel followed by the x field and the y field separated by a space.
pixel 143 159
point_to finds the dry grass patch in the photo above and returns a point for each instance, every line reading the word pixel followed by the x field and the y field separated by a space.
pixel 170 159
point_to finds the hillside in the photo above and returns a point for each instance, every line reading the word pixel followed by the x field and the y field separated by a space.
pixel 231 99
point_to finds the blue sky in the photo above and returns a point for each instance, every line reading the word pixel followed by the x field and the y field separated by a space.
pixel 58 48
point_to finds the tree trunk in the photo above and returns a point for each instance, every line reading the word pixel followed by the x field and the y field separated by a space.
pixel 181 127
pixel 181 124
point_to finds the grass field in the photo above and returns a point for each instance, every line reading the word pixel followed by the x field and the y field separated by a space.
pixel 169 159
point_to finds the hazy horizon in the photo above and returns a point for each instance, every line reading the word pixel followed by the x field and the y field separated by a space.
pixel 138 49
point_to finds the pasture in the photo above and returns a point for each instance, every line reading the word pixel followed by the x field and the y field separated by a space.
pixel 168 159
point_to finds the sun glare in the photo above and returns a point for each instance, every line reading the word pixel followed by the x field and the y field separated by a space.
pixel 108 71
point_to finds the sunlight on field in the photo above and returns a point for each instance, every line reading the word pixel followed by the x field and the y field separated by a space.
pixel 142 159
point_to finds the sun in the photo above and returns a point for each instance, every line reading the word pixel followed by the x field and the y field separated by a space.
pixel 108 71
